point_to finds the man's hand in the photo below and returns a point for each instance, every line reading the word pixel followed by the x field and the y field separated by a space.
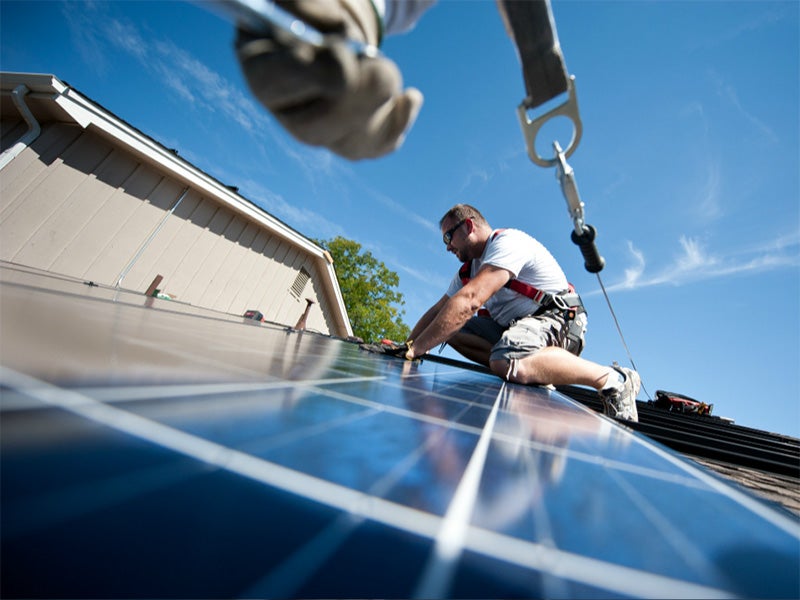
pixel 352 105
pixel 404 350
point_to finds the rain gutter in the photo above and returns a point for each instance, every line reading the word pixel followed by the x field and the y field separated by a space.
pixel 18 96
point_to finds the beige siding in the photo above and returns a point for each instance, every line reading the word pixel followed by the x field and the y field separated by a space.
pixel 30 166
pixel 235 266
pixel 317 317
pixel 76 204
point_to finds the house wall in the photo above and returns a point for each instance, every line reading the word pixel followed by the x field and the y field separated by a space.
pixel 76 203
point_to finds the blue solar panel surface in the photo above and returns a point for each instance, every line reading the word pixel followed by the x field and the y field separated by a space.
pixel 154 449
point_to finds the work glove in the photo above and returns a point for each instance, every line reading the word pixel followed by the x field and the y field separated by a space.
pixel 353 105
pixel 391 348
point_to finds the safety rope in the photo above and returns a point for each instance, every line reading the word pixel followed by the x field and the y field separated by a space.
pixel 619 329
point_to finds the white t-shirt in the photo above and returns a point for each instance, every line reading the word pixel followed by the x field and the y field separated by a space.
pixel 527 260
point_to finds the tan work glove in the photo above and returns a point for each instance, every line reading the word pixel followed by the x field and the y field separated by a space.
pixel 354 106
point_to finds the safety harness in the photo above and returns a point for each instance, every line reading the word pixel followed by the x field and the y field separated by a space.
pixel 568 302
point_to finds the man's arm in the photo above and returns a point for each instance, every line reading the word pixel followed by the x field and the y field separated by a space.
pixel 428 317
pixel 455 311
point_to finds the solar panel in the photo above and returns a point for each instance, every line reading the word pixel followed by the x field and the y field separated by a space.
pixel 157 449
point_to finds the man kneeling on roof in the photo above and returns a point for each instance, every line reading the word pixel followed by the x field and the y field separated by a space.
pixel 530 325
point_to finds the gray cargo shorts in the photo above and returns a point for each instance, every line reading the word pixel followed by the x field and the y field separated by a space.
pixel 528 335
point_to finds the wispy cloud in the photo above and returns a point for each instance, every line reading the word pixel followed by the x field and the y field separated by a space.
pixel 190 79
pixel 633 273
pixel 432 279
pixel 709 205
pixel 478 175
pixel 728 93
pixel 308 221
pixel 774 14
pixel 396 206
pixel 696 263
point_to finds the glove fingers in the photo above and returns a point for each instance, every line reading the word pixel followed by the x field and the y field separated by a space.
pixel 387 113
pixel 330 97
pixel 368 122
pixel 384 131
pixel 282 77
pixel 331 117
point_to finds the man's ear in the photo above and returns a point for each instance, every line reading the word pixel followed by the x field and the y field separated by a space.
pixel 471 225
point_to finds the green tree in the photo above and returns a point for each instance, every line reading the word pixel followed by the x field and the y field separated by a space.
pixel 369 291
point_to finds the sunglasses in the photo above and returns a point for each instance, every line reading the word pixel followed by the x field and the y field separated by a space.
pixel 447 236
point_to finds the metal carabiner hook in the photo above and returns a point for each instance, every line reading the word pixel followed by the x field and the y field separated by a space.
pixel 530 128
pixel 569 187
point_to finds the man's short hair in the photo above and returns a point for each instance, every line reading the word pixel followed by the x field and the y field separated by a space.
pixel 463 211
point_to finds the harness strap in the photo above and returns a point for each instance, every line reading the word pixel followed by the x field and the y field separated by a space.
pixel 546 300
pixel 531 26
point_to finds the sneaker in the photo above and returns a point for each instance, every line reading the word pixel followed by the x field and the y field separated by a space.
pixel 620 403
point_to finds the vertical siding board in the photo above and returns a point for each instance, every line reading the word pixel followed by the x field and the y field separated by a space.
pixel 245 297
pixel 168 248
pixel 316 318
pixel 195 251
pixel 230 256
pixel 27 237
pixel 77 219
pixel 119 234
pixel 238 265
pixel 259 281
pixel 150 259
pixel 141 223
pixel 108 226
pixel 216 243
pixel 284 305
pixel 28 169
pixel 270 294
pixel 291 306
pixel 262 277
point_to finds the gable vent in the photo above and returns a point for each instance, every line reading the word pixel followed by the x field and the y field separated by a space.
pixel 300 282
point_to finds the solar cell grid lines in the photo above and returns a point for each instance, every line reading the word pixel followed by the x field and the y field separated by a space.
pixel 155 449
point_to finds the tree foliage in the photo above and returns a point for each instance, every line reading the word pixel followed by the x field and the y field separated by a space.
pixel 369 291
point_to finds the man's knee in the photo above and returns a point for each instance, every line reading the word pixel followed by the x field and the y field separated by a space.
pixel 529 370
pixel 514 370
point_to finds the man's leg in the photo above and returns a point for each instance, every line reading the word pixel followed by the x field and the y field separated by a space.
pixel 530 353
pixel 476 338
pixel 555 366
pixel 472 347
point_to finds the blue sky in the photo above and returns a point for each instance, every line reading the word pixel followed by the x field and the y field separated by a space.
pixel 688 164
